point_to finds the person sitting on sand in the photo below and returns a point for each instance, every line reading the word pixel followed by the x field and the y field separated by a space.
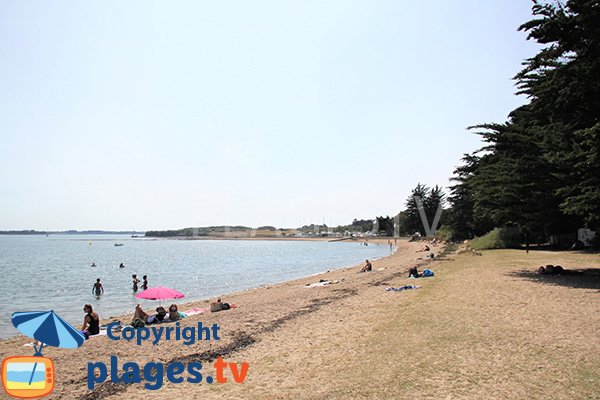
pixel 413 272
pixel 98 289
pixel 368 267
pixel 424 249
pixel 91 322
pixel 174 313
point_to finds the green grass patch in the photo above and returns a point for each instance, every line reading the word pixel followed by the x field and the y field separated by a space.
pixel 499 238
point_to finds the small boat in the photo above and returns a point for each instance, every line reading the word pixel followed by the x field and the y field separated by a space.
pixel 118 244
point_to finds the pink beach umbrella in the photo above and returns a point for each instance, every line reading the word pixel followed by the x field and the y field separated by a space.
pixel 159 293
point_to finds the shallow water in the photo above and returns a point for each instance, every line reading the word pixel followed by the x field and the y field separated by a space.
pixel 43 273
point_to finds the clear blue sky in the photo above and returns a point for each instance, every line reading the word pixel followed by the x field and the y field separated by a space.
pixel 152 114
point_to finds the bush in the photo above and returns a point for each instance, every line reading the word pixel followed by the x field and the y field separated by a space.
pixel 499 238
pixel 444 233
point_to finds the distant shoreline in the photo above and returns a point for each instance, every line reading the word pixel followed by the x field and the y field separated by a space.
pixel 69 232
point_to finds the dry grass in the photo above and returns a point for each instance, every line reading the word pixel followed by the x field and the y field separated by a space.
pixel 480 329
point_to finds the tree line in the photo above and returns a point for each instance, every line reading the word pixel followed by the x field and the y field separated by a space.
pixel 539 171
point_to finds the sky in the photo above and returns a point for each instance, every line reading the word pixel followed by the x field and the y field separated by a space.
pixel 144 115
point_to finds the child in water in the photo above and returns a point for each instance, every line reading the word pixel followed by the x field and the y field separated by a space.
pixel 145 282
pixel 135 282
pixel 98 289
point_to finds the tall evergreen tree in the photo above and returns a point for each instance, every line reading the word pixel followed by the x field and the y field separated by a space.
pixel 412 222
pixel 563 83
pixel 541 169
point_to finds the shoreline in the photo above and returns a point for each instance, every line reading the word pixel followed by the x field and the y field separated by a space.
pixel 261 312
pixel 193 303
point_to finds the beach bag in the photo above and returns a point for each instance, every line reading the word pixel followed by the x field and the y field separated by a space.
pixel 427 273
pixel 138 323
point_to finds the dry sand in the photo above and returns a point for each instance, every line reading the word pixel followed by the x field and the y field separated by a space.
pixel 479 329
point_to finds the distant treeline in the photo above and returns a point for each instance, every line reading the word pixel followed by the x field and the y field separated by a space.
pixel 69 232
pixel 23 232
pixel 203 231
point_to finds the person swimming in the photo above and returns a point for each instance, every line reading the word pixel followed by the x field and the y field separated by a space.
pixel 98 289
pixel 93 265
pixel 135 282
pixel 121 265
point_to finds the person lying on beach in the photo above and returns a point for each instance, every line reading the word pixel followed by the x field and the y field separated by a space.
pixel 556 270
pixel 98 289
pixel 161 313
pixel 219 306
pixel 424 249
pixel 140 314
pixel 368 267
pixel 91 322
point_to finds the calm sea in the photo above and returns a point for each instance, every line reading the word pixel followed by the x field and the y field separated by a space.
pixel 53 273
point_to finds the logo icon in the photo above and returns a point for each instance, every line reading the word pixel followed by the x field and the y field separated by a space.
pixel 28 377
pixel 32 377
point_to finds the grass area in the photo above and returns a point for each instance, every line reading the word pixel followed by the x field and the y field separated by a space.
pixel 499 238
pixel 483 328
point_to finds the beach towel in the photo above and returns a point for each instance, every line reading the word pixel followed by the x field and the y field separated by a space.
pixel 195 311
pixel 401 288
pixel 322 282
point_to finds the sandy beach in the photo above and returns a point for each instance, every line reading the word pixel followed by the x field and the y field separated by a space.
pixel 477 329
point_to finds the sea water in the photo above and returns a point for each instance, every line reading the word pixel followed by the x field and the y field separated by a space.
pixel 39 273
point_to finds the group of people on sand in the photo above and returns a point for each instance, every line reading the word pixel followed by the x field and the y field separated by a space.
pixel 91 320
pixel 141 318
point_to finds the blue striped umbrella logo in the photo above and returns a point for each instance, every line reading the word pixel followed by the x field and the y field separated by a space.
pixel 48 328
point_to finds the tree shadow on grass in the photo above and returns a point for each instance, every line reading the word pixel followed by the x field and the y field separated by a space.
pixel 585 278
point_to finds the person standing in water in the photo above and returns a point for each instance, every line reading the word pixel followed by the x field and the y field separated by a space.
pixel 135 282
pixel 98 289
pixel 145 282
